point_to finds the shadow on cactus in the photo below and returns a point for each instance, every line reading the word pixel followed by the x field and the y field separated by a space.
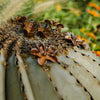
pixel 40 62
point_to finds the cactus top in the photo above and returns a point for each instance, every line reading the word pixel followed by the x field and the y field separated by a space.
pixel 43 40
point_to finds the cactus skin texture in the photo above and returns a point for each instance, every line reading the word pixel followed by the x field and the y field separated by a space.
pixel 38 62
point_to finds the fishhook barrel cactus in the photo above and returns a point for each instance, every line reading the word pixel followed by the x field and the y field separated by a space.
pixel 40 62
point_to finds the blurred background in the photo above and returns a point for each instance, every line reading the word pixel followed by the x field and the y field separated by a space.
pixel 82 17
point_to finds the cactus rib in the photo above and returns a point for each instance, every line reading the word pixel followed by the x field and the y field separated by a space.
pixel 88 53
pixel 2 75
pixel 25 79
pixel 65 83
pixel 13 87
pixel 87 62
pixel 86 79
pixel 41 85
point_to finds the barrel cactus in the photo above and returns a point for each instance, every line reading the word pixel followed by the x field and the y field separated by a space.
pixel 40 62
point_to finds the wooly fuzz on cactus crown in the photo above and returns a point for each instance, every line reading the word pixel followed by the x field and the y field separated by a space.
pixel 40 62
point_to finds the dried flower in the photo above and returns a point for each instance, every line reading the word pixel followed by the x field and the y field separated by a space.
pixel 21 18
pixel 44 54
pixel 30 28
pixel 58 25
pixel 75 41
pixel 44 31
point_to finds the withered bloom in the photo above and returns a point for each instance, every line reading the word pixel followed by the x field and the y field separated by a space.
pixel 43 53
pixel 21 18
pixel 75 41
pixel 30 28
pixel 44 31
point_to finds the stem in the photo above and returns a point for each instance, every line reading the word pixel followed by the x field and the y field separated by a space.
pixel 89 22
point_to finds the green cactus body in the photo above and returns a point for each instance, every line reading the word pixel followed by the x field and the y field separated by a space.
pixel 41 63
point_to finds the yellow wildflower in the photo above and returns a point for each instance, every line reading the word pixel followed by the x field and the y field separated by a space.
pixel 94 45
pixel 58 7
pixel 37 1
pixel 82 30
pixel 75 11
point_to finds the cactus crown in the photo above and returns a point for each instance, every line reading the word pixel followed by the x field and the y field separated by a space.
pixel 40 40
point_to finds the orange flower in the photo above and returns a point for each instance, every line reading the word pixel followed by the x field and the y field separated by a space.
pixel 98 8
pixel 86 41
pixel 94 13
pixel 97 53
pixel 82 30
pixel 79 37
pixel 92 4
pixel 91 35
pixel 88 10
